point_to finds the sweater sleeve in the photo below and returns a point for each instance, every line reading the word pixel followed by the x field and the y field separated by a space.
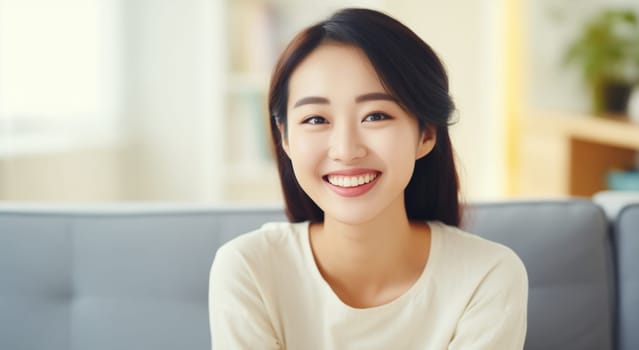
pixel 238 315
pixel 495 317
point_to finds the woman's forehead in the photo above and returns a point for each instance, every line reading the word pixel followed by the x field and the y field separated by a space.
pixel 334 69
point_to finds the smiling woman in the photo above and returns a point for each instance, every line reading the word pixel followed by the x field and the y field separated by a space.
pixel 363 131
pixel 360 113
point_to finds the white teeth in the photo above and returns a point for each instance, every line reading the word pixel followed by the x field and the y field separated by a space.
pixel 351 181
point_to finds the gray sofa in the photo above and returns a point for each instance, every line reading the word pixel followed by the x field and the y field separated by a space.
pixel 135 276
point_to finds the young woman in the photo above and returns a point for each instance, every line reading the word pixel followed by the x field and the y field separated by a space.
pixel 372 257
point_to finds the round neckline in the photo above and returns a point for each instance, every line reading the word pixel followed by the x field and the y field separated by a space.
pixel 414 288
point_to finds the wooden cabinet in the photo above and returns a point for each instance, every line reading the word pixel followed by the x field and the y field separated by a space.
pixel 563 154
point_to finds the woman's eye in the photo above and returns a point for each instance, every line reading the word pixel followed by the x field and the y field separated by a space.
pixel 316 119
pixel 374 117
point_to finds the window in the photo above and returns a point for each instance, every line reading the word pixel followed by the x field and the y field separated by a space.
pixel 59 74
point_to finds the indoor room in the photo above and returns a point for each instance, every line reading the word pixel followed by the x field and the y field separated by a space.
pixel 136 140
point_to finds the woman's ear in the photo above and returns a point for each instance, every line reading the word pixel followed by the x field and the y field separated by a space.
pixel 283 139
pixel 427 142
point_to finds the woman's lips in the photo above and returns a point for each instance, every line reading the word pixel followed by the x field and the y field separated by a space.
pixel 352 183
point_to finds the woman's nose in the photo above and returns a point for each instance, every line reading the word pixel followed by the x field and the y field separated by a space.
pixel 346 144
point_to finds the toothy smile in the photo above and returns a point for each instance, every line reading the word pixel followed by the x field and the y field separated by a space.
pixel 350 181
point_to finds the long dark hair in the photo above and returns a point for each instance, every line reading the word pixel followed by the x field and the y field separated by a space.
pixel 410 71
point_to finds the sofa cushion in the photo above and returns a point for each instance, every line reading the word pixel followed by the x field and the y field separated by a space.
pixel 136 278
pixel 612 202
pixel 104 279
pixel 627 246
pixel 565 248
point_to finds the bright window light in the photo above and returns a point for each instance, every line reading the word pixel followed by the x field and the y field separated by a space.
pixel 57 67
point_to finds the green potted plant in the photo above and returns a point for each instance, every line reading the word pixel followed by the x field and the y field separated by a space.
pixel 607 53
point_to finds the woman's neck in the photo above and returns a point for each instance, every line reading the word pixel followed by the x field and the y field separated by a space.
pixel 386 251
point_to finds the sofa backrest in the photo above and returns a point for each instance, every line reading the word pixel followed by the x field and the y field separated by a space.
pixel 627 248
pixel 111 279
pixel 137 278
pixel 566 250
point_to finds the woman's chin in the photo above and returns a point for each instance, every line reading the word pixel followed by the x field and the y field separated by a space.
pixel 351 217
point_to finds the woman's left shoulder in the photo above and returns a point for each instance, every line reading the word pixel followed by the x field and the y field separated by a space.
pixel 469 249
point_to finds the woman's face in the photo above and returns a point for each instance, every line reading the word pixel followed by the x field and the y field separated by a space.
pixel 353 148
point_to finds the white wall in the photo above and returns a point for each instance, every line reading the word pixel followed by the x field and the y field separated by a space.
pixel 70 176
pixel 174 78
pixel 174 73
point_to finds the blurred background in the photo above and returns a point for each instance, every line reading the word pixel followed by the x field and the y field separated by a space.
pixel 164 100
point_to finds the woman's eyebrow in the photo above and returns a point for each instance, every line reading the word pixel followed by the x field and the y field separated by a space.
pixel 373 96
pixel 311 100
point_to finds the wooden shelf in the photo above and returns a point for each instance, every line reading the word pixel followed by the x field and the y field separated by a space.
pixel 614 130
pixel 569 154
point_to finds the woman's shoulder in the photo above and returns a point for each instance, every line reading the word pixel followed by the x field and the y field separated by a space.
pixel 247 273
pixel 253 248
pixel 269 235
pixel 470 251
